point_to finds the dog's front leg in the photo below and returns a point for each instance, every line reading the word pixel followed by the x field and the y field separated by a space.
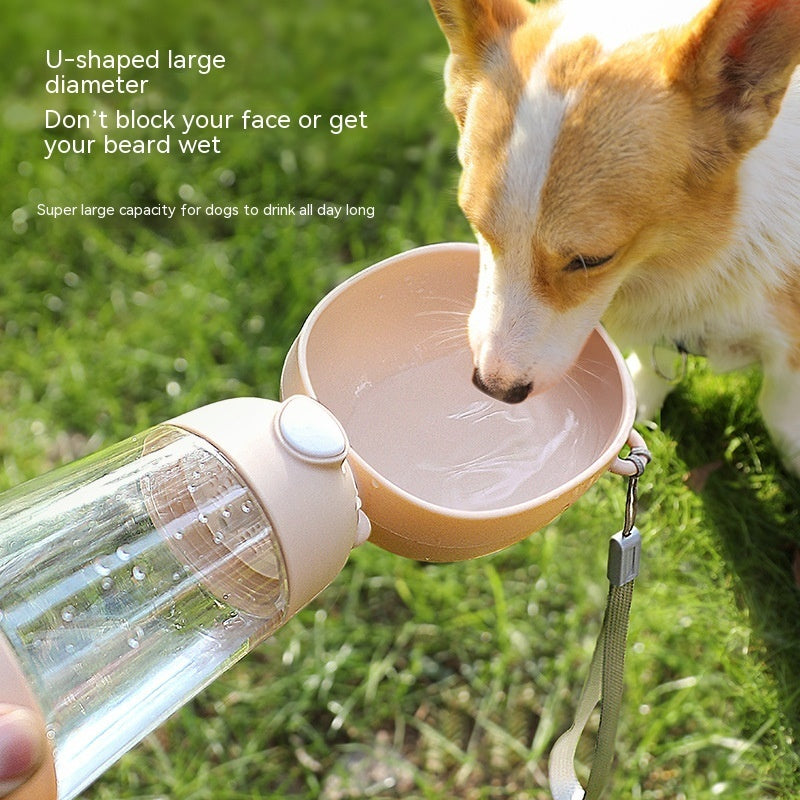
pixel 779 402
pixel 651 388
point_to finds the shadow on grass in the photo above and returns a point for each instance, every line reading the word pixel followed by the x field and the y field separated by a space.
pixel 753 506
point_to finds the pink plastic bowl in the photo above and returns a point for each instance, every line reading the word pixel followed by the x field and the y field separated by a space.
pixel 443 471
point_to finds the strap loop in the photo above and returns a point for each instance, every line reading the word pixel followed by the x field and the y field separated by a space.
pixel 633 464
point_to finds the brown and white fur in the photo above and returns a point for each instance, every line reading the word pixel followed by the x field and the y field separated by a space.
pixel 635 162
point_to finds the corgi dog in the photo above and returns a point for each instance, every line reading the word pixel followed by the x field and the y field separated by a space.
pixel 635 162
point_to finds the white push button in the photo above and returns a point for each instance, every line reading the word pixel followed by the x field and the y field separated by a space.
pixel 311 431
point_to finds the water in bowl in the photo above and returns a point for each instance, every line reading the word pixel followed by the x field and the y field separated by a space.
pixel 461 449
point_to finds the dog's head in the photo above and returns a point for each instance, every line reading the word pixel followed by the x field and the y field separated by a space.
pixel 595 158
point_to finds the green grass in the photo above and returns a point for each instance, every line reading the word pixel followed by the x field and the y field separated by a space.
pixel 402 679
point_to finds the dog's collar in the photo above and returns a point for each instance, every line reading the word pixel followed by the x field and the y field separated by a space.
pixel 669 357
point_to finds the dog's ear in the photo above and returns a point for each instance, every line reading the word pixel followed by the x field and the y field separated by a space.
pixel 472 27
pixel 736 61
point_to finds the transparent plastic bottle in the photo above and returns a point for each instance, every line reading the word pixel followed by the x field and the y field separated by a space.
pixel 133 578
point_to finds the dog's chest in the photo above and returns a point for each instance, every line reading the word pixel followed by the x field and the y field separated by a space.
pixel 727 333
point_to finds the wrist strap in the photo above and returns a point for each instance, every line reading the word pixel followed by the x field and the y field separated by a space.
pixel 605 681
pixel 606 672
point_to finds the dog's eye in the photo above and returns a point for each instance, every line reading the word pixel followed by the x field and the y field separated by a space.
pixel 587 262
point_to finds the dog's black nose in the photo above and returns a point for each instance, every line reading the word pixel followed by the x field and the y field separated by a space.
pixel 515 394
pixel 518 393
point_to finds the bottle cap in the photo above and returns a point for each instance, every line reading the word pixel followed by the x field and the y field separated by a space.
pixel 292 457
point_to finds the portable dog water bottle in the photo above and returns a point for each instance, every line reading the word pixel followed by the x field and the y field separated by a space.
pixel 133 578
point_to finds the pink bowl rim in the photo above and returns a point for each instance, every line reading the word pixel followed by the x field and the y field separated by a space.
pixel 584 477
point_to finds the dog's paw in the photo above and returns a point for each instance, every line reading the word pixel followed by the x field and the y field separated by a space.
pixel 778 405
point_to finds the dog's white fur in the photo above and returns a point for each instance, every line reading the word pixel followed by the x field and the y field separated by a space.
pixel 663 133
